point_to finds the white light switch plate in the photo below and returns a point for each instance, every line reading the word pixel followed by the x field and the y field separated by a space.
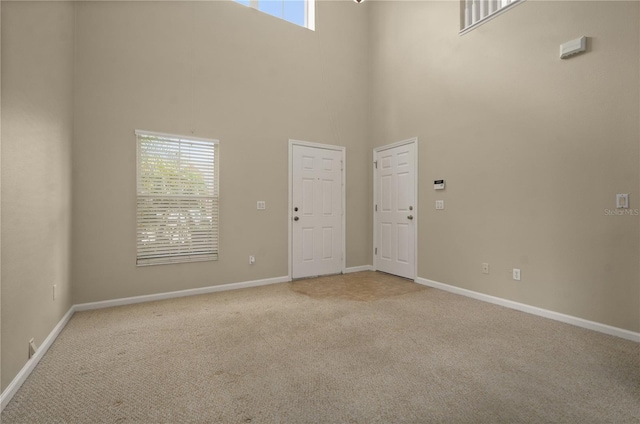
pixel 439 204
pixel 262 205
pixel 516 274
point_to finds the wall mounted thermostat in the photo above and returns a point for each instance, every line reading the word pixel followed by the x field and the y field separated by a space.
pixel 573 47
pixel 438 185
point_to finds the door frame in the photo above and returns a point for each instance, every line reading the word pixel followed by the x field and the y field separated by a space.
pixel 343 243
pixel 376 151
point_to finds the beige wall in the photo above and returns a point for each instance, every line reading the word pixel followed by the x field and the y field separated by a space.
pixel 217 70
pixel 37 71
pixel 533 148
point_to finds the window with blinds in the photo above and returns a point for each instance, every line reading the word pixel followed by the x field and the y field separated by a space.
pixel 177 205
pixel 477 12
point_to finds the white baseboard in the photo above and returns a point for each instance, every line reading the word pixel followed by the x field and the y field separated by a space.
pixel 358 269
pixel 19 379
pixel 567 319
pixel 13 387
pixel 180 293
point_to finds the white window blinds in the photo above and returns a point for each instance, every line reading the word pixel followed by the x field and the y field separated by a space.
pixel 177 206
pixel 477 12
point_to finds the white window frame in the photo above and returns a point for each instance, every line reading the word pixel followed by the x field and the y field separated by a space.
pixel 178 241
pixel 474 13
pixel 309 12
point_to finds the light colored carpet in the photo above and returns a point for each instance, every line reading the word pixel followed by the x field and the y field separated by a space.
pixel 275 354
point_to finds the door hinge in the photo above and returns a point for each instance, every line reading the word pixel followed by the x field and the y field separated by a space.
pixel 376 251
pixel 342 165
pixel 375 162
pixel 376 208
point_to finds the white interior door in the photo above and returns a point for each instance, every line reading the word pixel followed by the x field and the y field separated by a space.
pixel 395 209
pixel 317 213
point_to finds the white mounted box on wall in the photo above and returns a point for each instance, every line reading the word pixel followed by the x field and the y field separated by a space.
pixel 573 47
pixel 438 185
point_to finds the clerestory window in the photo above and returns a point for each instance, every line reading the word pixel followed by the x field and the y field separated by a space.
pixel 299 12
pixel 476 12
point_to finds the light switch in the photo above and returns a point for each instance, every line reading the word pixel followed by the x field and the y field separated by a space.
pixel 262 205
pixel 439 204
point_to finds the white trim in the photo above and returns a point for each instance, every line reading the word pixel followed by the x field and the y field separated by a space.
pixel 358 269
pixel 24 373
pixel 397 144
pixel 315 145
pixel 377 150
pixel 26 370
pixel 341 149
pixel 310 14
pixel 180 293
pixel 533 310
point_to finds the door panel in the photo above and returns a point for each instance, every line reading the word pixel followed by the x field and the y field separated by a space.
pixel 307 244
pixel 396 212
pixel 317 234
pixel 327 243
pixel 327 198
pixel 403 248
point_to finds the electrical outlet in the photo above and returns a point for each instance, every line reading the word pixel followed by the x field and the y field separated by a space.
pixel 485 268
pixel 516 274
pixel 622 201
pixel 252 260
pixel 262 205
pixel 54 292
pixel 439 204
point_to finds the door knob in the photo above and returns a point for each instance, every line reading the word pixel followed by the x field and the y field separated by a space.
pixel 295 218
pixel 295 209
pixel 410 217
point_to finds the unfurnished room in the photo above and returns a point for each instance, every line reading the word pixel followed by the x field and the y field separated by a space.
pixel 320 211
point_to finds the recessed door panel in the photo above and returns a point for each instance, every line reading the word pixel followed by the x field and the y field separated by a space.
pixel 402 238
pixel 403 196
pixel 327 198
pixel 403 159
pixel 307 163
pixel 307 196
pixel 386 245
pixel 386 199
pixel 327 243
pixel 307 244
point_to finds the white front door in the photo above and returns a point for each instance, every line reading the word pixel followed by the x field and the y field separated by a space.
pixel 395 209
pixel 316 202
